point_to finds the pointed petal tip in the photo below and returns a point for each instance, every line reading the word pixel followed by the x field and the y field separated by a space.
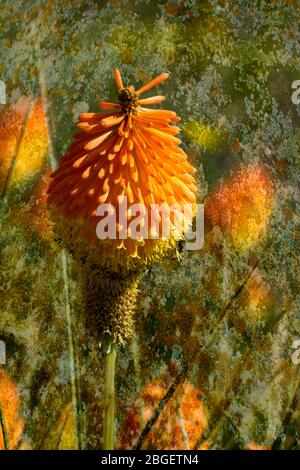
pixel 160 78
pixel 118 79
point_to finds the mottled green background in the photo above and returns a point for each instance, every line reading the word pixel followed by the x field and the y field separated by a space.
pixel 222 320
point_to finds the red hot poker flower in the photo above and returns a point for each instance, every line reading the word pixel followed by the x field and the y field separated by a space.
pixel 127 151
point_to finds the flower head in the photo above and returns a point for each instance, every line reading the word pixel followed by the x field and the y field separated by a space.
pixel 127 152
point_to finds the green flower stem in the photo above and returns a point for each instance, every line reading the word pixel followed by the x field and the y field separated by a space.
pixel 109 397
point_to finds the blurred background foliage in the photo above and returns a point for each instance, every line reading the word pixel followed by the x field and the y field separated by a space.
pixel 210 364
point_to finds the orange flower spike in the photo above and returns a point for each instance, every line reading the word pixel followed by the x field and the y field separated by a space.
pixel 128 150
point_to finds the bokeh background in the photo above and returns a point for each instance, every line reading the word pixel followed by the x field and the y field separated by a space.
pixel 210 363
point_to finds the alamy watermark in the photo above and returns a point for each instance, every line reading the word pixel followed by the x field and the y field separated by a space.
pixel 296 354
pixel 2 352
pixel 2 92
pixel 296 94
pixel 160 221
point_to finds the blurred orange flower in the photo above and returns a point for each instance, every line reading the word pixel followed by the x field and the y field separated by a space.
pixel 10 404
pixel 243 205
pixel 257 296
pixel 127 151
pixel 23 140
pixel 178 427
pixel 255 446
